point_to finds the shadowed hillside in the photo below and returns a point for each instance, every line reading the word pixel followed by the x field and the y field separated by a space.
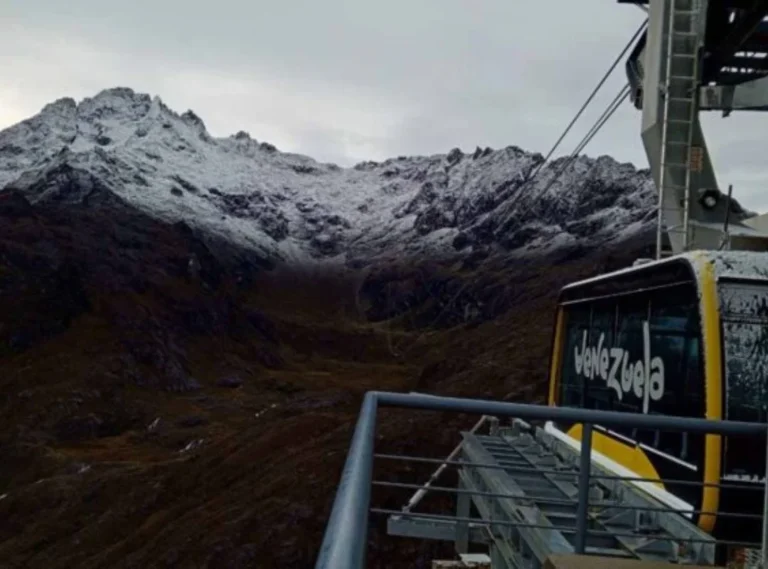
pixel 167 400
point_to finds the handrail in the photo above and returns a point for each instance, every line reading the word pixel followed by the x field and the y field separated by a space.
pixel 529 412
pixel 345 540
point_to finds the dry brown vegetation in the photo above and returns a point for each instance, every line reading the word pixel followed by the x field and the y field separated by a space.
pixel 153 417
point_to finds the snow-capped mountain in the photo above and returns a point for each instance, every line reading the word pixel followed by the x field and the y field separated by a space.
pixel 291 207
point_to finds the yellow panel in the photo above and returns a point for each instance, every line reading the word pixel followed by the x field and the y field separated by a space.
pixel 557 354
pixel 713 382
pixel 631 457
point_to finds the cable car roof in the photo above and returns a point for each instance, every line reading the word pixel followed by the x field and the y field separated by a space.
pixel 726 264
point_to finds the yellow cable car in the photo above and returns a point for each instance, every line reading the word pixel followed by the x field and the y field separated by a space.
pixel 685 336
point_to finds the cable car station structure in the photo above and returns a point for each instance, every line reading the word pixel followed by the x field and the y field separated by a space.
pixel 711 58
pixel 578 476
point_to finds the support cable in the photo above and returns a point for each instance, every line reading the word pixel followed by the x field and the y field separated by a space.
pixel 574 155
pixel 589 99
pixel 607 114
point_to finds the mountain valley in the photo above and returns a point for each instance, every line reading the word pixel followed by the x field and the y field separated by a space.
pixel 189 324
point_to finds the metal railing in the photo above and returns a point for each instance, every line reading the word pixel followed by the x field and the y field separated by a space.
pixel 537 472
pixel 345 540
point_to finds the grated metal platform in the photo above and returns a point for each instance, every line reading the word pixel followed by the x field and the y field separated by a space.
pixel 524 484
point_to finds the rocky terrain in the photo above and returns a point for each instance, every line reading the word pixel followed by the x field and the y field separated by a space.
pixel 288 207
pixel 188 325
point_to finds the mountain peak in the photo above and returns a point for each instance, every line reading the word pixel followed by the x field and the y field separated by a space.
pixel 62 107
pixel 293 207
pixel 119 93
pixel 119 103
pixel 191 118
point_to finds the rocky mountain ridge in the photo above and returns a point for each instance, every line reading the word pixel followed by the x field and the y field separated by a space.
pixel 167 402
pixel 289 207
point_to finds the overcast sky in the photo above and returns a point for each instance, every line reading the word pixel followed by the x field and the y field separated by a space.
pixel 351 80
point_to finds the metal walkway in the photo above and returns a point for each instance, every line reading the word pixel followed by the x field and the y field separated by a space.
pixel 524 484
pixel 525 495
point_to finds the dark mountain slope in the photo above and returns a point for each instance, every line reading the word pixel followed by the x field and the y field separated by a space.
pixel 167 401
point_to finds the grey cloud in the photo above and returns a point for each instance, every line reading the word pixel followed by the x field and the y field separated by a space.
pixel 750 154
pixel 346 80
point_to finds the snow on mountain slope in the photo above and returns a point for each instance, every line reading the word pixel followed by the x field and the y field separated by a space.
pixel 291 207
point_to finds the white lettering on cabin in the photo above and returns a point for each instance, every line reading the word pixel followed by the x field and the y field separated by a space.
pixel 644 378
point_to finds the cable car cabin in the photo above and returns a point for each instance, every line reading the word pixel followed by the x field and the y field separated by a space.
pixel 685 336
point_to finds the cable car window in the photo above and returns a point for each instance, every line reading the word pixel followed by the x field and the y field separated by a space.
pixel 601 338
pixel 674 331
pixel 571 383
pixel 635 346
pixel 744 319
pixel 632 313
pixel 637 353
pixel 744 329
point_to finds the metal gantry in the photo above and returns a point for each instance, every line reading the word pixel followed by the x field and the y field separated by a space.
pixel 679 158
pixel 698 55
pixel 524 494
pixel 536 495
pixel 533 502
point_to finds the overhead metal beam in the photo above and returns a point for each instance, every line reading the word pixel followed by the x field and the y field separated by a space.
pixel 744 62
pixel 748 96
pixel 738 34
pixel 738 4
pixel 728 78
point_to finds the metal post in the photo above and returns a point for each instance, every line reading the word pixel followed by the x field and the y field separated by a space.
pixel 346 535
pixel 764 543
pixel 462 528
pixel 345 540
pixel 585 462
pixel 494 426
